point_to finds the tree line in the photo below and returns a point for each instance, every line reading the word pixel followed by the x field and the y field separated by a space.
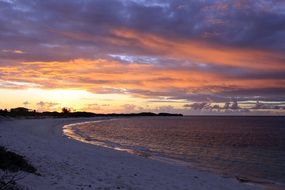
pixel 66 112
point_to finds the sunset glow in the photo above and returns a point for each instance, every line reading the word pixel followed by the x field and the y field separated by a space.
pixel 191 57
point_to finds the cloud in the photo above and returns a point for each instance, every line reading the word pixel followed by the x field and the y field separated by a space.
pixel 47 106
pixel 99 108
pixel 213 107
pixel 200 51
pixel 179 50
pixel 141 80
pixel 15 84
pixel 264 106
pixel 252 24
pixel 26 103
pixel 235 105
pixel 129 108
pixel 8 51
pixel 132 108
pixel 197 105
pixel 227 105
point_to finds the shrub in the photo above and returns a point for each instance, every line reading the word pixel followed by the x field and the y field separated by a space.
pixel 13 162
pixel 12 168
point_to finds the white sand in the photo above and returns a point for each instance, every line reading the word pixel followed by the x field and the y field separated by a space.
pixel 68 164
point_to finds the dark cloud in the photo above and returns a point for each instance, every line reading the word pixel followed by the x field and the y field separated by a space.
pixel 227 105
pixel 46 105
pixel 36 30
pixel 266 105
pixel 209 106
pixel 234 106
pixel 262 94
pixel 49 30
pixel 26 103
pixel 198 105
pixel 224 94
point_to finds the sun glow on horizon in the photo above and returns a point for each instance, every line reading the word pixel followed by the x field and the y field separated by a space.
pixel 218 57
pixel 55 99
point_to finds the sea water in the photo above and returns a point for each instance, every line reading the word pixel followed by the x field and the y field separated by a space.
pixel 249 147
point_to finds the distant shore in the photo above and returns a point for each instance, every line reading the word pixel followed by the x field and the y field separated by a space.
pixel 22 112
pixel 64 163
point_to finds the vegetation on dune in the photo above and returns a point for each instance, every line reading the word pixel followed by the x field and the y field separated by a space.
pixel 13 162
pixel 66 112
pixel 12 168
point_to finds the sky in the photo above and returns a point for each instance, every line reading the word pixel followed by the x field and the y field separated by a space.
pixel 105 56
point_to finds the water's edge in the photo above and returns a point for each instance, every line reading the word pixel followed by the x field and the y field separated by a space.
pixel 71 132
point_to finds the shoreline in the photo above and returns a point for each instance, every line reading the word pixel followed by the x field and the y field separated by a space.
pixel 71 133
pixel 65 163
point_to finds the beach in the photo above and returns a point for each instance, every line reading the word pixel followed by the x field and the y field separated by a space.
pixel 64 163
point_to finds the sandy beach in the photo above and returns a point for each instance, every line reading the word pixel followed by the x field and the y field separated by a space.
pixel 65 163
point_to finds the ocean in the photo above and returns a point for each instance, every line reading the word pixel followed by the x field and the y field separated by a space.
pixel 247 147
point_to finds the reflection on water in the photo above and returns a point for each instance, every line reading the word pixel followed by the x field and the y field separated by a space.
pixel 244 146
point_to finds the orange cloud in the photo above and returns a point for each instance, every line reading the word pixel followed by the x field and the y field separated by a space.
pixel 202 52
pixel 100 74
pixel 194 50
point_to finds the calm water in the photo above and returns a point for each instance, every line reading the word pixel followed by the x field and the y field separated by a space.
pixel 252 147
